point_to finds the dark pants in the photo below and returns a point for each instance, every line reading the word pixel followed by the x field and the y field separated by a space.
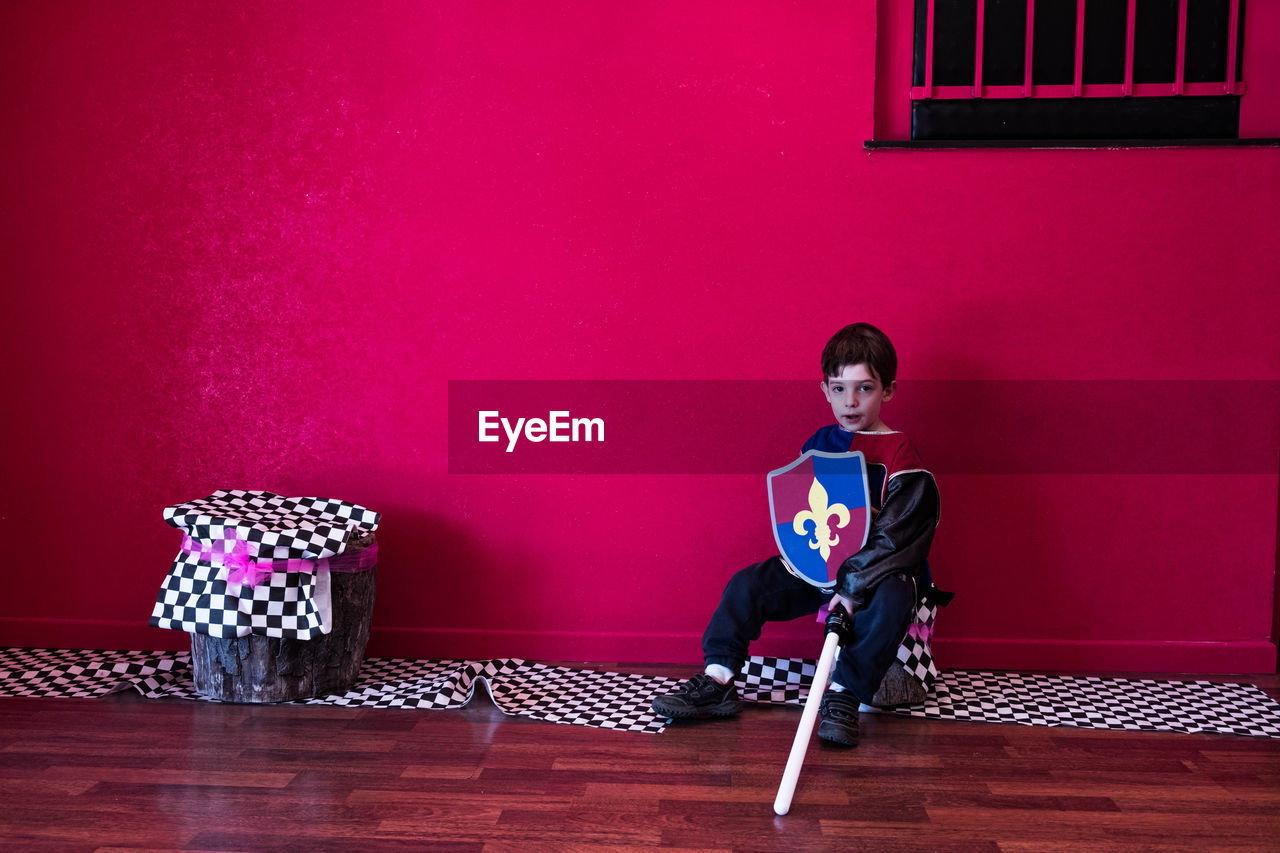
pixel 767 592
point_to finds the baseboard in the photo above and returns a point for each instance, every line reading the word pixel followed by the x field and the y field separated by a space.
pixel 38 633
pixel 952 653
pixel 539 645
pixel 794 641
pixel 1240 656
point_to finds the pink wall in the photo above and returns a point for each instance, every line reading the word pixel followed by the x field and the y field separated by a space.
pixel 250 248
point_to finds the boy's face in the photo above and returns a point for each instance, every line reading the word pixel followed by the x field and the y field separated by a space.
pixel 855 395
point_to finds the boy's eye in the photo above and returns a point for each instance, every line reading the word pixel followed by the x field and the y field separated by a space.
pixel 865 389
pixel 839 389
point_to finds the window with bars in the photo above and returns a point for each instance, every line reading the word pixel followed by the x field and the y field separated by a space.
pixel 1077 69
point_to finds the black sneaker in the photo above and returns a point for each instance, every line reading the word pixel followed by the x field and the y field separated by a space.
pixel 700 696
pixel 839 715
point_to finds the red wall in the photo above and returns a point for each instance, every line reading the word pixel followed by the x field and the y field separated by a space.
pixel 250 245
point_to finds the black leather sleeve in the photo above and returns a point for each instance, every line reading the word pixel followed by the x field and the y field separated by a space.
pixel 900 536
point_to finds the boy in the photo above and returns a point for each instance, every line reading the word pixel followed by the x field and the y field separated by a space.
pixel 877 585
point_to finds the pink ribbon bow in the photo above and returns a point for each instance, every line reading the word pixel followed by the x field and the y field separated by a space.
pixel 246 571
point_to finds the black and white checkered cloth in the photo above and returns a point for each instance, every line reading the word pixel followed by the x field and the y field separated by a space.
pixel 606 700
pixel 554 694
pixel 621 701
pixel 1094 702
pixel 195 596
pixel 916 652
pixel 278 528
pixel 1101 703
pixel 87 674
pixel 778 681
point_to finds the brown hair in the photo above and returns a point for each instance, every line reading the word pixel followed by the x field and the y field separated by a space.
pixel 861 343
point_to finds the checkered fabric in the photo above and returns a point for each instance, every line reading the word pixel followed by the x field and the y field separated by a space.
pixel 916 652
pixel 86 674
pixel 276 527
pixel 1101 703
pixel 425 684
pixel 1052 700
pixel 621 701
pixel 195 596
pixel 779 681
pixel 606 700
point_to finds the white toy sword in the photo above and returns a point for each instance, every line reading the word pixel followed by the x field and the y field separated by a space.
pixel 839 627
pixel 821 516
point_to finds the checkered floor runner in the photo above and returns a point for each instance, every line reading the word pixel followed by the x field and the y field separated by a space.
pixel 554 694
pixel 1054 700
pixel 621 701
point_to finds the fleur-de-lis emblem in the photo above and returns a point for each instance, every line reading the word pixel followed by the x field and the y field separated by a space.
pixel 822 538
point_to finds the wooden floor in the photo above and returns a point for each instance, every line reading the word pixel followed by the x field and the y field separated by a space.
pixel 128 773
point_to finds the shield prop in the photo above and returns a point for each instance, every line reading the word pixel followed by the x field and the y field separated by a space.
pixel 820 513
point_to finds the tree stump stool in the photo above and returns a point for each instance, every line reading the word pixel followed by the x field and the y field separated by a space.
pixel 898 688
pixel 269 669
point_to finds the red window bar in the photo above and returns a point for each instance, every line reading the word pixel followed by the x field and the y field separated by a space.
pixel 1078 88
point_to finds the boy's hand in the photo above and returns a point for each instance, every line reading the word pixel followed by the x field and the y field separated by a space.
pixel 843 602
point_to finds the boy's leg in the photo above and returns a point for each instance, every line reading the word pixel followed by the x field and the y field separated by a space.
pixel 760 593
pixel 878 629
pixel 764 592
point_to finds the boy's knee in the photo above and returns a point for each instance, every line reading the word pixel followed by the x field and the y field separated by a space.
pixel 893 600
pixel 755 577
pixel 897 591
